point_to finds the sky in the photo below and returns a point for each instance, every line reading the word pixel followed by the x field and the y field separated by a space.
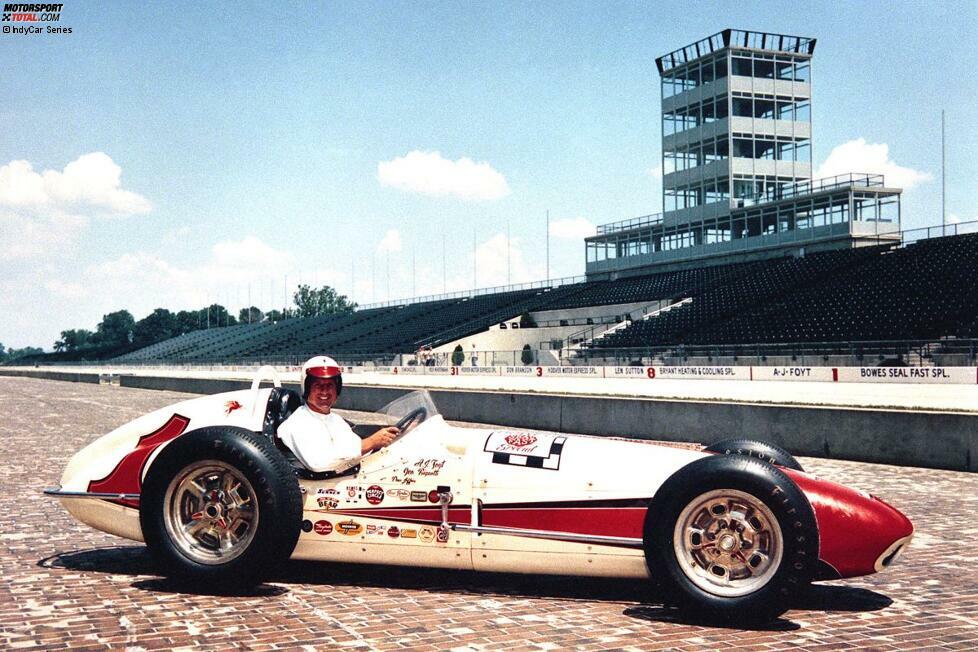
pixel 179 154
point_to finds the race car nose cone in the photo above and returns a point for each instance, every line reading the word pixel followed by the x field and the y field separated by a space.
pixel 859 534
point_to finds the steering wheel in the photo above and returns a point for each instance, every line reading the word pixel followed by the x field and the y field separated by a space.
pixel 410 419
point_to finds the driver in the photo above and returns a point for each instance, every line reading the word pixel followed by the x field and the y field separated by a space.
pixel 321 440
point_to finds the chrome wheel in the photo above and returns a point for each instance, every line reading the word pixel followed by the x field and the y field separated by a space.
pixel 728 542
pixel 210 512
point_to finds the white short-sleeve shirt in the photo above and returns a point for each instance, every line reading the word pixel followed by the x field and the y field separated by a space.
pixel 322 442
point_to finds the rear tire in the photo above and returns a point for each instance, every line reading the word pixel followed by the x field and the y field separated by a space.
pixel 220 507
pixel 731 539
pixel 762 450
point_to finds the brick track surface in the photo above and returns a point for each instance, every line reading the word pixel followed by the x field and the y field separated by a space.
pixel 63 584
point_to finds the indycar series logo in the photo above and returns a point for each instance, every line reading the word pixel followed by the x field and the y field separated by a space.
pixel 29 15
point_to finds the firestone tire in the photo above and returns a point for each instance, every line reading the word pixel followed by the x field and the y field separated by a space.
pixel 221 508
pixel 731 539
pixel 762 450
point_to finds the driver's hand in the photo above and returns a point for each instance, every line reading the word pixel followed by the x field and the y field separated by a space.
pixel 383 437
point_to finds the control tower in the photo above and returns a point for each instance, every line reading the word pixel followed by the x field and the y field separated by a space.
pixel 737 166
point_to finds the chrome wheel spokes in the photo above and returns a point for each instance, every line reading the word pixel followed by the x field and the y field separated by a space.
pixel 211 512
pixel 728 542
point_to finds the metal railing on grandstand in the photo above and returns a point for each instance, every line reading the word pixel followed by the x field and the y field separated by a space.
pixel 633 223
pixel 531 285
pixel 911 353
pixel 810 186
pixel 910 236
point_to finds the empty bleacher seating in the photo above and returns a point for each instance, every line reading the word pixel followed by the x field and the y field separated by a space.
pixel 920 291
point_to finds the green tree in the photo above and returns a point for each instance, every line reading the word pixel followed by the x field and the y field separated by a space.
pixel 217 315
pixel 458 355
pixel 186 321
pixel 13 354
pixel 159 325
pixel 115 329
pixel 3 353
pixel 276 315
pixel 310 302
pixel 527 355
pixel 250 315
pixel 74 339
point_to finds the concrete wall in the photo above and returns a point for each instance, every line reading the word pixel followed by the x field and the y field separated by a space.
pixel 930 439
pixel 75 377
pixel 943 440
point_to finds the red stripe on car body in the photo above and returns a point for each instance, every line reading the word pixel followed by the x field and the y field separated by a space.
pixel 127 476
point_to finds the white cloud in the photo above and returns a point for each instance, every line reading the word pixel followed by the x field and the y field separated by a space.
pixel 874 158
pixel 391 242
pixel 43 213
pixel 497 266
pixel 24 236
pixel 91 181
pixel 656 173
pixel 572 228
pixel 428 173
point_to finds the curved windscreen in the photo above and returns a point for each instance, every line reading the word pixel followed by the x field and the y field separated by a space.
pixel 418 404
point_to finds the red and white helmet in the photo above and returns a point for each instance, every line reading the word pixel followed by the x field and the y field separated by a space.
pixel 321 366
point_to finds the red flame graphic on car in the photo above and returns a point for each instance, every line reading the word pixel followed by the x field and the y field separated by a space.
pixel 520 440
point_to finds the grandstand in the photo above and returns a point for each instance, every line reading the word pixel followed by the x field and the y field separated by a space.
pixel 921 291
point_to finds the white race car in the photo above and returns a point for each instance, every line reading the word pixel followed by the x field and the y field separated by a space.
pixel 732 531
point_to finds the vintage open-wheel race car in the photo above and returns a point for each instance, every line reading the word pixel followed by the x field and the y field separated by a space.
pixel 732 531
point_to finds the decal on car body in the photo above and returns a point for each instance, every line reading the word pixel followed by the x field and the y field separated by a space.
pixel 323 527
pixel 523 449
pixel 349 528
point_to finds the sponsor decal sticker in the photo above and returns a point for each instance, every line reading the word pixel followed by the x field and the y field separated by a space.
pixel 375 495
pixel 231 406
pixel 307 526
pixel 409 533
pixel 419 497
pixel 523 449
pixel 327 492
pixel 376 530
pixel 520 439
pixel 393 532
pixel 351 491
pixel 328 502
pixel 349 528
pixel 442 536
pixel 433 496
pixel 323 527
pixel 426 534
pixel 398 493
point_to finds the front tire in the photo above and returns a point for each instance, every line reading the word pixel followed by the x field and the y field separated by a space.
pixel 731 539
pixel 221 507
pixel 762 450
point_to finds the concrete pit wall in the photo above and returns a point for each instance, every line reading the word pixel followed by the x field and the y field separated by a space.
pixel 942 440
